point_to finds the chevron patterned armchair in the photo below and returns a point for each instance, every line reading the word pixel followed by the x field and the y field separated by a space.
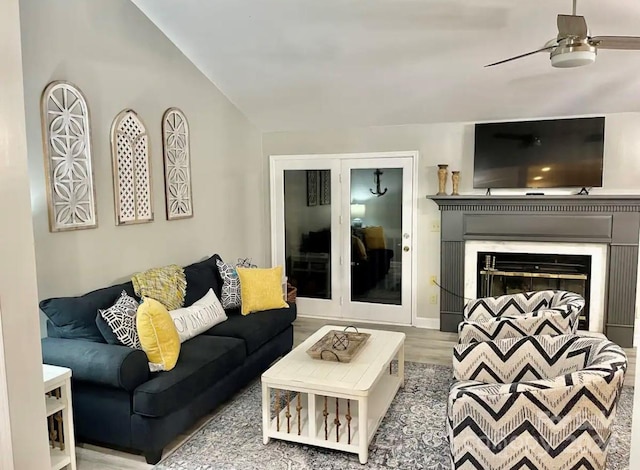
pixel 543 402
pixel 545 312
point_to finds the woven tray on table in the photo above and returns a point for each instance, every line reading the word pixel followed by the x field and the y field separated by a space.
pixel 326 349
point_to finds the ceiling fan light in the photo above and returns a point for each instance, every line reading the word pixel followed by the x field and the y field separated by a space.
pixel 571 59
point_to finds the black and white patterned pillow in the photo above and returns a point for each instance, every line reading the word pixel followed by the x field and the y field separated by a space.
pixel 230 285
pixel 121 318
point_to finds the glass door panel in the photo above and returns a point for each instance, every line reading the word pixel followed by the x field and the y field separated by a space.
pixel 377 238
pixel 307 228
pixel 376 235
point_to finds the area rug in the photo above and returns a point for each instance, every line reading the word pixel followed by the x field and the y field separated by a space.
pixel 411 436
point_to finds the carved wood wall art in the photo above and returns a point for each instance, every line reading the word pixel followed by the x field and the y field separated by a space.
pixel 66 136
pixel 177 164
pixel 131 169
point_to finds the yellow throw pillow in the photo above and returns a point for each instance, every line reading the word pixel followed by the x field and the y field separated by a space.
pixel 374 238
pixel 358 251
pixel 158 335
pixel 261 289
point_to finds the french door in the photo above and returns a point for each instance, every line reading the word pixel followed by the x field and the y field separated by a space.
pixel 343 229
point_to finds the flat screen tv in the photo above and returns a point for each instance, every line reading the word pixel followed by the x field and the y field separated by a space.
pixel 557 153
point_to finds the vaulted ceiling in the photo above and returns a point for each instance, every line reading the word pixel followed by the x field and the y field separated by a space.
pixel 309 64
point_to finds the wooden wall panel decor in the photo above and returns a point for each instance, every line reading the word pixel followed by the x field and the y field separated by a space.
pixel 66 136
pixel 177 164
pixel 131 169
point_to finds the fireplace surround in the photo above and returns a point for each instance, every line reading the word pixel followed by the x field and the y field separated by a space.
pixel 574 267
pixel 607 220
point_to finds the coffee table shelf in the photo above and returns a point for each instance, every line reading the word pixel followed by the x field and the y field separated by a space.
pixel 362 390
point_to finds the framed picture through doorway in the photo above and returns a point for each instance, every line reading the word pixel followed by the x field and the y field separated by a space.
pixel 312 187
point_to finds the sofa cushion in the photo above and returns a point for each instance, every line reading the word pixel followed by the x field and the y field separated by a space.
pixel 75 317
pixel 203 361
pixel 255 329
pixel 201 277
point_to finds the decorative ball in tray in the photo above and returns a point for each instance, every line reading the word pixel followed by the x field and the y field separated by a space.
pixel 339 346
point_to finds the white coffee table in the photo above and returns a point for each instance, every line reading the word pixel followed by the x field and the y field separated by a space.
pixel 332 404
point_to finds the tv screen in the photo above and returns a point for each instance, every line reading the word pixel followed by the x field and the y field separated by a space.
pixel 557 153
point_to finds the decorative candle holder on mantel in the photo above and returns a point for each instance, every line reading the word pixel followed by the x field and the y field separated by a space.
pixel 455 180
pixel 442 180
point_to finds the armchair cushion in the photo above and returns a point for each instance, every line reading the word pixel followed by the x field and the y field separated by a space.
pixel 99 363
pixel 525 302
pixel 542 322
pixel 508 361
pixel 538 402
pixel 567 304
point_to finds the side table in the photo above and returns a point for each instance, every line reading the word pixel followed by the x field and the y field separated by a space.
pixel 57 390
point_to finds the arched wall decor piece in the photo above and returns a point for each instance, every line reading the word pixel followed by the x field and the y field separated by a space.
pixel 131 169
pixel 66 136
pixel 177 164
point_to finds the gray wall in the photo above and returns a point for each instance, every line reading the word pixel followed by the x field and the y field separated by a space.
pixel 119 59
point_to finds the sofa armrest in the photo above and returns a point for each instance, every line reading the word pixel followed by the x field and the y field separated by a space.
pixel 99 363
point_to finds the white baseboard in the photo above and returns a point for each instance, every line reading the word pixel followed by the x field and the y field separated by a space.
pixel 333 320
pixel 428 323
pixel 418 322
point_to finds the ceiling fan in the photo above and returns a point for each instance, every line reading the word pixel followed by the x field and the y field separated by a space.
pixel 574 47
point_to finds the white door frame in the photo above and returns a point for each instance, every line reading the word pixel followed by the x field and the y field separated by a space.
pixel 315 307
pixel 275 212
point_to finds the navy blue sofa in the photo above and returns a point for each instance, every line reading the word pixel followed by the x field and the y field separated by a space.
pixel 117 402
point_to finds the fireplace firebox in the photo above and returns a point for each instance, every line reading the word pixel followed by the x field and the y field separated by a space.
pixel 511 273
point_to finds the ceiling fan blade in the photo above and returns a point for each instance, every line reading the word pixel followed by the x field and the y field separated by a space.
pixel 571 25
pixel 547 48
pixel 625 43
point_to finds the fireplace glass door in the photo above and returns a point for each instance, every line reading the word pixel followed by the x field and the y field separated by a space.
pixel 513 273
